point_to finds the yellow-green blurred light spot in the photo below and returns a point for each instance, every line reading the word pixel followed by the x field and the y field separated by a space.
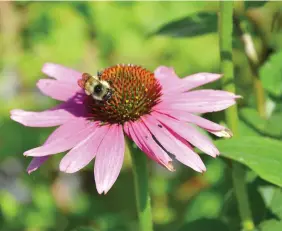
pixel 9 205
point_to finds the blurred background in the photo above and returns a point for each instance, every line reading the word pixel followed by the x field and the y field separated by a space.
pixel 89 36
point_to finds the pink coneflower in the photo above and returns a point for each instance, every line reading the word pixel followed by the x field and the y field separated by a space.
pixel 155 110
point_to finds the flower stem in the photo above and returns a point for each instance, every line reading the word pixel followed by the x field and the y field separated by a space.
pixel 238 178
pixel 238 173
pixel 143 200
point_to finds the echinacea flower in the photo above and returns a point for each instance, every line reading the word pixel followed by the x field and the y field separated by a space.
pixel 155 110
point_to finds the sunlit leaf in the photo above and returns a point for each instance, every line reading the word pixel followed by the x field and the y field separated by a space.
pixel 271 74
pixel 245 129
pixel 197 24
pixel 262 155
pixel 271 225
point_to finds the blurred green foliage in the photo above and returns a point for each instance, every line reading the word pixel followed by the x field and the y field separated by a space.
pixel 89 36
pixel 270 74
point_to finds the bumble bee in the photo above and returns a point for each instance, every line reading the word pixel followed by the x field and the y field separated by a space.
pixel 99 89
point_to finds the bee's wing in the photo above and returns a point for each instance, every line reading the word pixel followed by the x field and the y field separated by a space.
pixel 85 77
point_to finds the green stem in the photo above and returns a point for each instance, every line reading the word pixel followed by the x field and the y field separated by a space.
pixel 238 178
pixel 140 174
pixel 252 56
pixel 238 173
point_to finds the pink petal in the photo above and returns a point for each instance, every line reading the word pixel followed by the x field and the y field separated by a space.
pixel 165 73
pixel 142 137
pixel 46 118
pixel 182 152
pixel 38 161
pixel 188 132
pixel 202 95
pixel 109 159
pixel 58 90
pixel 200 101
pixel 172 83
pixel 84 151
pixel 167 77
pixel 52 117
pixel 61 73
pixel 64 138
pixel 35 163
pixel 208 125
pixel 128 128
pixel 131 134
pixel 199 79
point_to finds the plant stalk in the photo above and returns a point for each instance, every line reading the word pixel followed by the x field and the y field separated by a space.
pixel 143 200
pixel 253 59
pixel 231 114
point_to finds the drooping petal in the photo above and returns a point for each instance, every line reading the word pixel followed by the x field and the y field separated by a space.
pixel 188 132
pixel 142 137
pixel 61 73
pixel 179 149
pixel 131 134
pixel 200 101
pixel 35 163
pixel 58 90
pixel 109 159
pixel 172 83
pixel 84 151
pixel 64 138
pixel 128 128
pixel 208 125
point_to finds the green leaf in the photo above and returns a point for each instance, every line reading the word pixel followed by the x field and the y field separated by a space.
pixel 204 225
pixel 262 155
pixel 270 127
pixel 271 225
pixel 194 25
pixel 271 74
pixel 272 197
pixel 254 4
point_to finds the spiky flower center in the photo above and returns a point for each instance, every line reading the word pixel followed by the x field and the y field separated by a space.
pixel 135 92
